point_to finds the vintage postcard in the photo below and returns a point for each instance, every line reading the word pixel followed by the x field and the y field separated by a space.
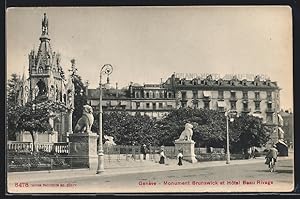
pixel 149 99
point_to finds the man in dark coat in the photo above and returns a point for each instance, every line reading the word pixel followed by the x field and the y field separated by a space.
pixel 144 151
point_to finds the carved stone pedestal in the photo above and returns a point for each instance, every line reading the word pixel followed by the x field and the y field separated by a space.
pixel 83 150
pixel 188 149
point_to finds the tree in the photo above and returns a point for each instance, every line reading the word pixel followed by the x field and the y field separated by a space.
pixel 250 131
pixel 12 91
pixel 208 126
pixel 11 104
pixel 34 116
pixel 80 98
pixel 126 129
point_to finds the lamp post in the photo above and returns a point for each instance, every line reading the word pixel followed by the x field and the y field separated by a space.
pixel 229 116
pixel 33 143
pixel 106 69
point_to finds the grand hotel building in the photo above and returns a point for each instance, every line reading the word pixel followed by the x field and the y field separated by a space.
pixel 257 97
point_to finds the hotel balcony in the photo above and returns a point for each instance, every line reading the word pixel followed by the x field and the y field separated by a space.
pixel 246 110
pixel 183 100
pixel 233 98
pixel 206 99
pixel 270 110
pixel 220 97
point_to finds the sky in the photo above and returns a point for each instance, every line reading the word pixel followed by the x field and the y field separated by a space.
pixel 147 44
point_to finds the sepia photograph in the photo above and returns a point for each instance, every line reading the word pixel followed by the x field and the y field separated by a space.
pixel 149 99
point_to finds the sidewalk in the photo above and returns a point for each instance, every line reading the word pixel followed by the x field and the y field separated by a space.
pixel 149 166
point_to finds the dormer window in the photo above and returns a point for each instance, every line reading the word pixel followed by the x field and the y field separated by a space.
pixel 219 82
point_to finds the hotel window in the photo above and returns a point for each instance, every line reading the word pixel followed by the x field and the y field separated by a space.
pixel 161 95
pixel 147 105
pixel 257 105
pixel 245 95
pixel 157 95
pixel 206 105
pixel 169 106
pixel 152 95
pixel 183 95
pixel 269 105
pixel 245 106
pixel 154 105
pixel 138 105
pixel 269 95
pixel 232 94
pixel 233 105
pixel 221 94
pixel 169 95
pixel 147 95
pixel 137 95
pixel 195 94
pixel 257 95
pixel 160 105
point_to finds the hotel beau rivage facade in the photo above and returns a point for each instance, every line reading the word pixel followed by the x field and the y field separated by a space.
pixel 256 97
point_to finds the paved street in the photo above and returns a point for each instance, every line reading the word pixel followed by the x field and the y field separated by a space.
pixel 240 178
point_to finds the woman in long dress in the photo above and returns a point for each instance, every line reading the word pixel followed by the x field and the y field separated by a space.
pixel 179 157
pixel 162 157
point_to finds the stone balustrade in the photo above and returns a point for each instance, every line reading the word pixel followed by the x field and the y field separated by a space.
pixel 59 147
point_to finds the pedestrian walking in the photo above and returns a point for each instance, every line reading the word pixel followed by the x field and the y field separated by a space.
pixel 179 157
pixel 162 157
pixel 144 151
pixel 253 152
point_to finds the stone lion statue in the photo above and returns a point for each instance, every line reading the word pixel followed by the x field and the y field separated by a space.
pixel 187 133
pixel 84 124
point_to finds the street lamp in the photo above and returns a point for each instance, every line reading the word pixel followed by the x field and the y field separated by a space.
pixel 229 116
pixel 106 69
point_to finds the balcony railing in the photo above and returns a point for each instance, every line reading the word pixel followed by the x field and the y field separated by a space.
pixel 206 99
pixel 246 110
pixel 233 98
pixel 270 110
